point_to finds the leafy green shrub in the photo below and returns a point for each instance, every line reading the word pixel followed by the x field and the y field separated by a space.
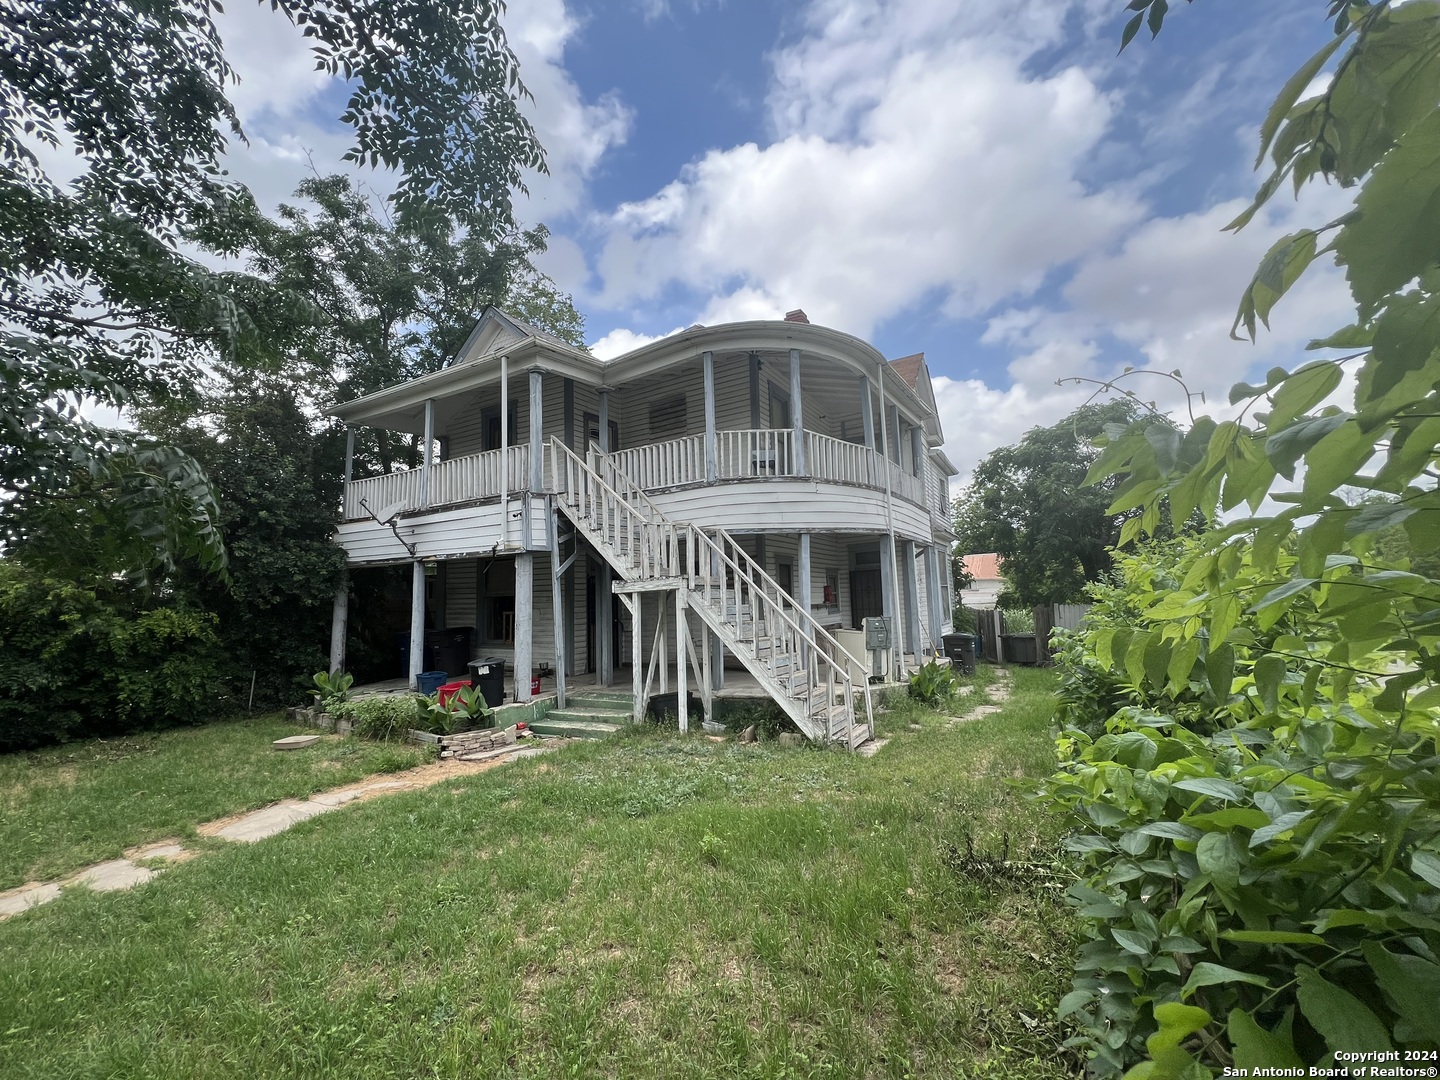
pixel 334 688
pixel 466 710
pixel 74 661
pixel 935 686
pixel 383 717
pixel 1258 823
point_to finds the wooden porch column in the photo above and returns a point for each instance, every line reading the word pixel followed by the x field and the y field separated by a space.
pixel 537 432
pixel 867 419
pixel 682 634
pixel 797 413
pixel 892 589
pixel 707 360
pixel 887 599
pixel 802 593
pixel 912 598
pixel 895 428
pixel 934 594
pixel 524 622
pixel 339 622
pixel 754 389
pixel 917 451
pixel 429 458
pixel 637 652
pixel 558 593
pixel 504 451
pixel 605 607
pixel 569 391
pixel 417 622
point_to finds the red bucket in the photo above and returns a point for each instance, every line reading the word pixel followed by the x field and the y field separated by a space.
pixel 534 685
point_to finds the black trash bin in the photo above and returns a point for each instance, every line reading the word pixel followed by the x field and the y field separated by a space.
pixel 960 648
pixel 488 676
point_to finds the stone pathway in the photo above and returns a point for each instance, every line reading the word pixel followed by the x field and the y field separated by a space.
pixel 144 863
pixel 996 694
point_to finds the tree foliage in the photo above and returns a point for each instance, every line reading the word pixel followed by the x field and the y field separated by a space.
pixel 1262 869
pixel 396 299
pixel 101 300
pixel 1028 503
pixel 277 477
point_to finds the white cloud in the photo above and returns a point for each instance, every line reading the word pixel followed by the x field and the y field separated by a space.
pixel 619 342
pixel 1169 292
pixel 956 176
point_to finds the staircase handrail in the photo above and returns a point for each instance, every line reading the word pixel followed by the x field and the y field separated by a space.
pixel 635 492
pixel 699 541
pixel 558 451
pixel 702 544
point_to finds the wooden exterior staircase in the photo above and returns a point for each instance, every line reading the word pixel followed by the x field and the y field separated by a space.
pixel 773 635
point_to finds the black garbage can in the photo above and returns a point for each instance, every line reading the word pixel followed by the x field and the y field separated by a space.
pixel 960 648
pixel 488 676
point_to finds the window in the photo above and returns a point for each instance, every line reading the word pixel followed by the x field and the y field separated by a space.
pixel 500 622
pixel 785 577
pixel 667 419
pixel 592 433
pixel 780 418
pixel 490 422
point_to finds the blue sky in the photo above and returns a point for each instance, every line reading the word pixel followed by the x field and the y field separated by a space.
pixel 988 183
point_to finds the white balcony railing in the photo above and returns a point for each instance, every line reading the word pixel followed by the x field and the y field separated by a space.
pixel 750 454
pixel 459 480
pixel 754 454
pixel 665 465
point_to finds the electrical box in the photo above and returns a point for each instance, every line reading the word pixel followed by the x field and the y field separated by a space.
pixel 877 633
pixel 877 642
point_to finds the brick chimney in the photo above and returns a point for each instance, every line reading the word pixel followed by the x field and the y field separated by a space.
pixel 796 316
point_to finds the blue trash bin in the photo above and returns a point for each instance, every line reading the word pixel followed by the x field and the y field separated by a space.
pixel 428 682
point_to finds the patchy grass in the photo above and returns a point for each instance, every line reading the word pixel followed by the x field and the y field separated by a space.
pixel 650 906
pixel 70 806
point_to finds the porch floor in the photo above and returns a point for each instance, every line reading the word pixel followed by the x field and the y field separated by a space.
pixel 739 683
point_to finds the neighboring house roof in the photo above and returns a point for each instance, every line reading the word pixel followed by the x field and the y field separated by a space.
pixel 983 567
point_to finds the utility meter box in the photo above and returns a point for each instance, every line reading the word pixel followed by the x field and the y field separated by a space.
pixel 877 642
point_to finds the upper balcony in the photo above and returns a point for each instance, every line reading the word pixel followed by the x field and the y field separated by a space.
pixel 744 456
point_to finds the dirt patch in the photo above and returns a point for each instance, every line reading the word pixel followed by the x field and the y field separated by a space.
pixel 421 776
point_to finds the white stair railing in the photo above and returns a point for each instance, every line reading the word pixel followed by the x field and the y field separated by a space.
pixel 781 644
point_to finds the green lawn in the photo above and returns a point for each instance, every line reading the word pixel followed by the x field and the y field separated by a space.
pixel 67 807
pixel 650 906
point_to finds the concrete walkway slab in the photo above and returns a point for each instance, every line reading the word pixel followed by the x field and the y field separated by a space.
pixel 269 821
pixel 113 876
pixel 295 742
pixel 23 899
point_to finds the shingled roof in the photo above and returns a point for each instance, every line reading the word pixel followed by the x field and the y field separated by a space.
pixel 908 368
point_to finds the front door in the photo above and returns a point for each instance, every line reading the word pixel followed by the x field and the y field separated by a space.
pixel 867 598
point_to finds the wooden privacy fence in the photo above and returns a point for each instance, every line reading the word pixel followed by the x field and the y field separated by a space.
pixel 1004 642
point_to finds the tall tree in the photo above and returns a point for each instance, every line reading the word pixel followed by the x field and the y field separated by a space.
pixel 396 299
pixel 1028 503
pixel 100 301
pixel 276 472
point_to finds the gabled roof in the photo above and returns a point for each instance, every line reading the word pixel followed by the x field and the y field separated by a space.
pixel 498 330
pixel 908 367
pixel 916 375
pixel 984 567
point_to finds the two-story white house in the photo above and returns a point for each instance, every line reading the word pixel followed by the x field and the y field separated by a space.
pixel 728 496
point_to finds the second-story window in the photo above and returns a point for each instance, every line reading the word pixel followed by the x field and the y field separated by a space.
pixel 667 419
pixel 491 418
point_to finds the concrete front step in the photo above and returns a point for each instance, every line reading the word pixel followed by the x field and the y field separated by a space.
pixel 596 696
pixel 581 725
